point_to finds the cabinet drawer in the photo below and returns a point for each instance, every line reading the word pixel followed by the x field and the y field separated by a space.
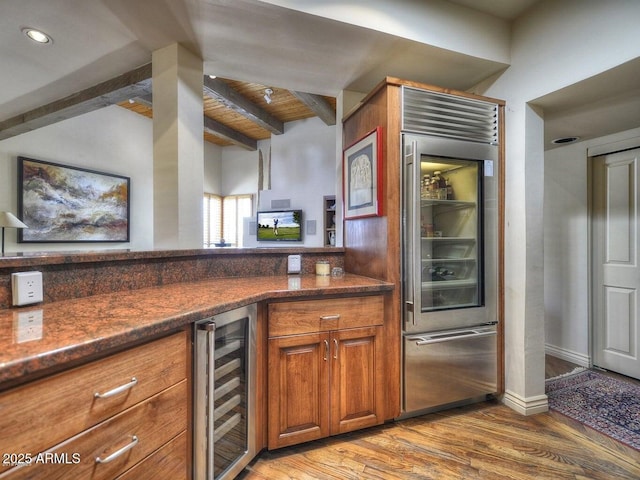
pixel 168 462
pixel 144 428
pixel 43 413
pixel 290 318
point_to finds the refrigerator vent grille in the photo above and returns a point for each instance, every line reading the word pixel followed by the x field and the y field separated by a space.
pixel 449 116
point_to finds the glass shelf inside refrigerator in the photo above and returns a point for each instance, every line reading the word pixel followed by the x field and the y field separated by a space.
pixel 430 202
pixel 453 283
pixel 445 298
pixel 456 273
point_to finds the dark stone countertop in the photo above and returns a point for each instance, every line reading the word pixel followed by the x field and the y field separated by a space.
pixel 41 339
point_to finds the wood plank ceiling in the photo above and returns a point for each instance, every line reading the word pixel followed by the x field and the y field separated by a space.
pixel 244 111
pixel 235 113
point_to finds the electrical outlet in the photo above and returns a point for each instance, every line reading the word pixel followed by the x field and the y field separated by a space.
pixel 28 326
pixel 294 263
pixel 26 288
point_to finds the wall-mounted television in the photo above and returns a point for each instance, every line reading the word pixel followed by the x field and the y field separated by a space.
pixel 279 226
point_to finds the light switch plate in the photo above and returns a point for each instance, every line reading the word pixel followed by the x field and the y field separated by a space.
pixel 26 288
pixel 294 263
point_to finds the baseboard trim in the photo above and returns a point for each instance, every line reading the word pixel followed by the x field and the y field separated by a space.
pixel 568 355
pixel 526 406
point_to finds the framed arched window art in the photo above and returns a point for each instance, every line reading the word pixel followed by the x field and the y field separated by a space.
pixel 362 176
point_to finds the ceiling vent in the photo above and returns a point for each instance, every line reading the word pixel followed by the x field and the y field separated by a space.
pixel 450 116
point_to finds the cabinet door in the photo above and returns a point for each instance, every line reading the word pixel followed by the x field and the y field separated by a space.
pixel 298 389
pixel 357 395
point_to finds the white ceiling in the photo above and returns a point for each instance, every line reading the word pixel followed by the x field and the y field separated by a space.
pixel 601 105
pixel 249 40
pixel 507 9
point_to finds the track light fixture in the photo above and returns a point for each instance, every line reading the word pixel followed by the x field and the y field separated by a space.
pixel 267 95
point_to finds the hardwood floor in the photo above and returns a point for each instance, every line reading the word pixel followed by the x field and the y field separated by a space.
pixel 554 366
pixel 482 441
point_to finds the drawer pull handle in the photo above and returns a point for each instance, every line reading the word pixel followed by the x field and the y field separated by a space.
pixel 117 390
pixel 118 453
pixel 330 317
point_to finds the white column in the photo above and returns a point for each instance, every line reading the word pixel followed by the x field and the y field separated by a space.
pixel 178 148
pixel 524 261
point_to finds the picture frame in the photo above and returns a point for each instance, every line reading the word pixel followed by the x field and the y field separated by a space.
pixel 65 204
pixel 362 176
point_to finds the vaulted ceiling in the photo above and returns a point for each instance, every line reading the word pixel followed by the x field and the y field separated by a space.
pixel 306 58
pixel 251 45
pixel 237 113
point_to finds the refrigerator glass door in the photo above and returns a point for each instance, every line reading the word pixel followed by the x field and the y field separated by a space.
pixel 450 209
pixel 449 234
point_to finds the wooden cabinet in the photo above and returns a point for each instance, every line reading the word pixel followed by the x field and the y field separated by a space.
pixel 100 419
pixel 326 368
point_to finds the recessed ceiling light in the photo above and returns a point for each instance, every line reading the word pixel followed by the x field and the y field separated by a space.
pixel 564 140
pixel 37 36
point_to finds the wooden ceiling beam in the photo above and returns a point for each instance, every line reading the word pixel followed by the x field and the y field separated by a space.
pixel 146 100
pixel 223 93
pixel 220 130
pixel 136 83
pixel 318 105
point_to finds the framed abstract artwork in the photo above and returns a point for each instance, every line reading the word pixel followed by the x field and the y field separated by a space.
pixel 61 203
pixel 362 176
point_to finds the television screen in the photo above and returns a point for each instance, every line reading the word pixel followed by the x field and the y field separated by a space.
pixel 279 226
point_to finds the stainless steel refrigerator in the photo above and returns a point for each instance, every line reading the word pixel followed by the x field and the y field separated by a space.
pixel 450 250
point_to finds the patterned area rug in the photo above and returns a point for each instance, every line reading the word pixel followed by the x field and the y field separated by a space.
pixel 606 404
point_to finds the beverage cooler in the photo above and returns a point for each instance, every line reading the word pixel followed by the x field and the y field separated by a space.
pixel 450 243
pixel 224 394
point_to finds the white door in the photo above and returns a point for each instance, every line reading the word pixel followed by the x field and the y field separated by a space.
pixel 616 269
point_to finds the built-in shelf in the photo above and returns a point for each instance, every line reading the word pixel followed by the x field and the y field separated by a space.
pixel 329 217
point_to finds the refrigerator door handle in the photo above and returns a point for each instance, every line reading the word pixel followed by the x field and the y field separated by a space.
pixel 450 336
pixel 412 265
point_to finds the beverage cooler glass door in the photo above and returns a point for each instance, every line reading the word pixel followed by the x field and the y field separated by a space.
pixel 449 272
pixel 224 390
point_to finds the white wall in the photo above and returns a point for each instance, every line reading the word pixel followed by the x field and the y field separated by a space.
pixel 303 162
pixel 544 59
pixel 116 140
pixel 212 168
pixel 239 169
pixel 112 140
pixel 566 247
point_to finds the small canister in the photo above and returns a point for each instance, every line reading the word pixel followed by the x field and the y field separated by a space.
pixel 323 268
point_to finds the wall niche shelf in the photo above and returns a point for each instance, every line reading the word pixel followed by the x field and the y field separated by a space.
pixel 329 216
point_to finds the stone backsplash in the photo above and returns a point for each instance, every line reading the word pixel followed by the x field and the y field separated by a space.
pixel 83 274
